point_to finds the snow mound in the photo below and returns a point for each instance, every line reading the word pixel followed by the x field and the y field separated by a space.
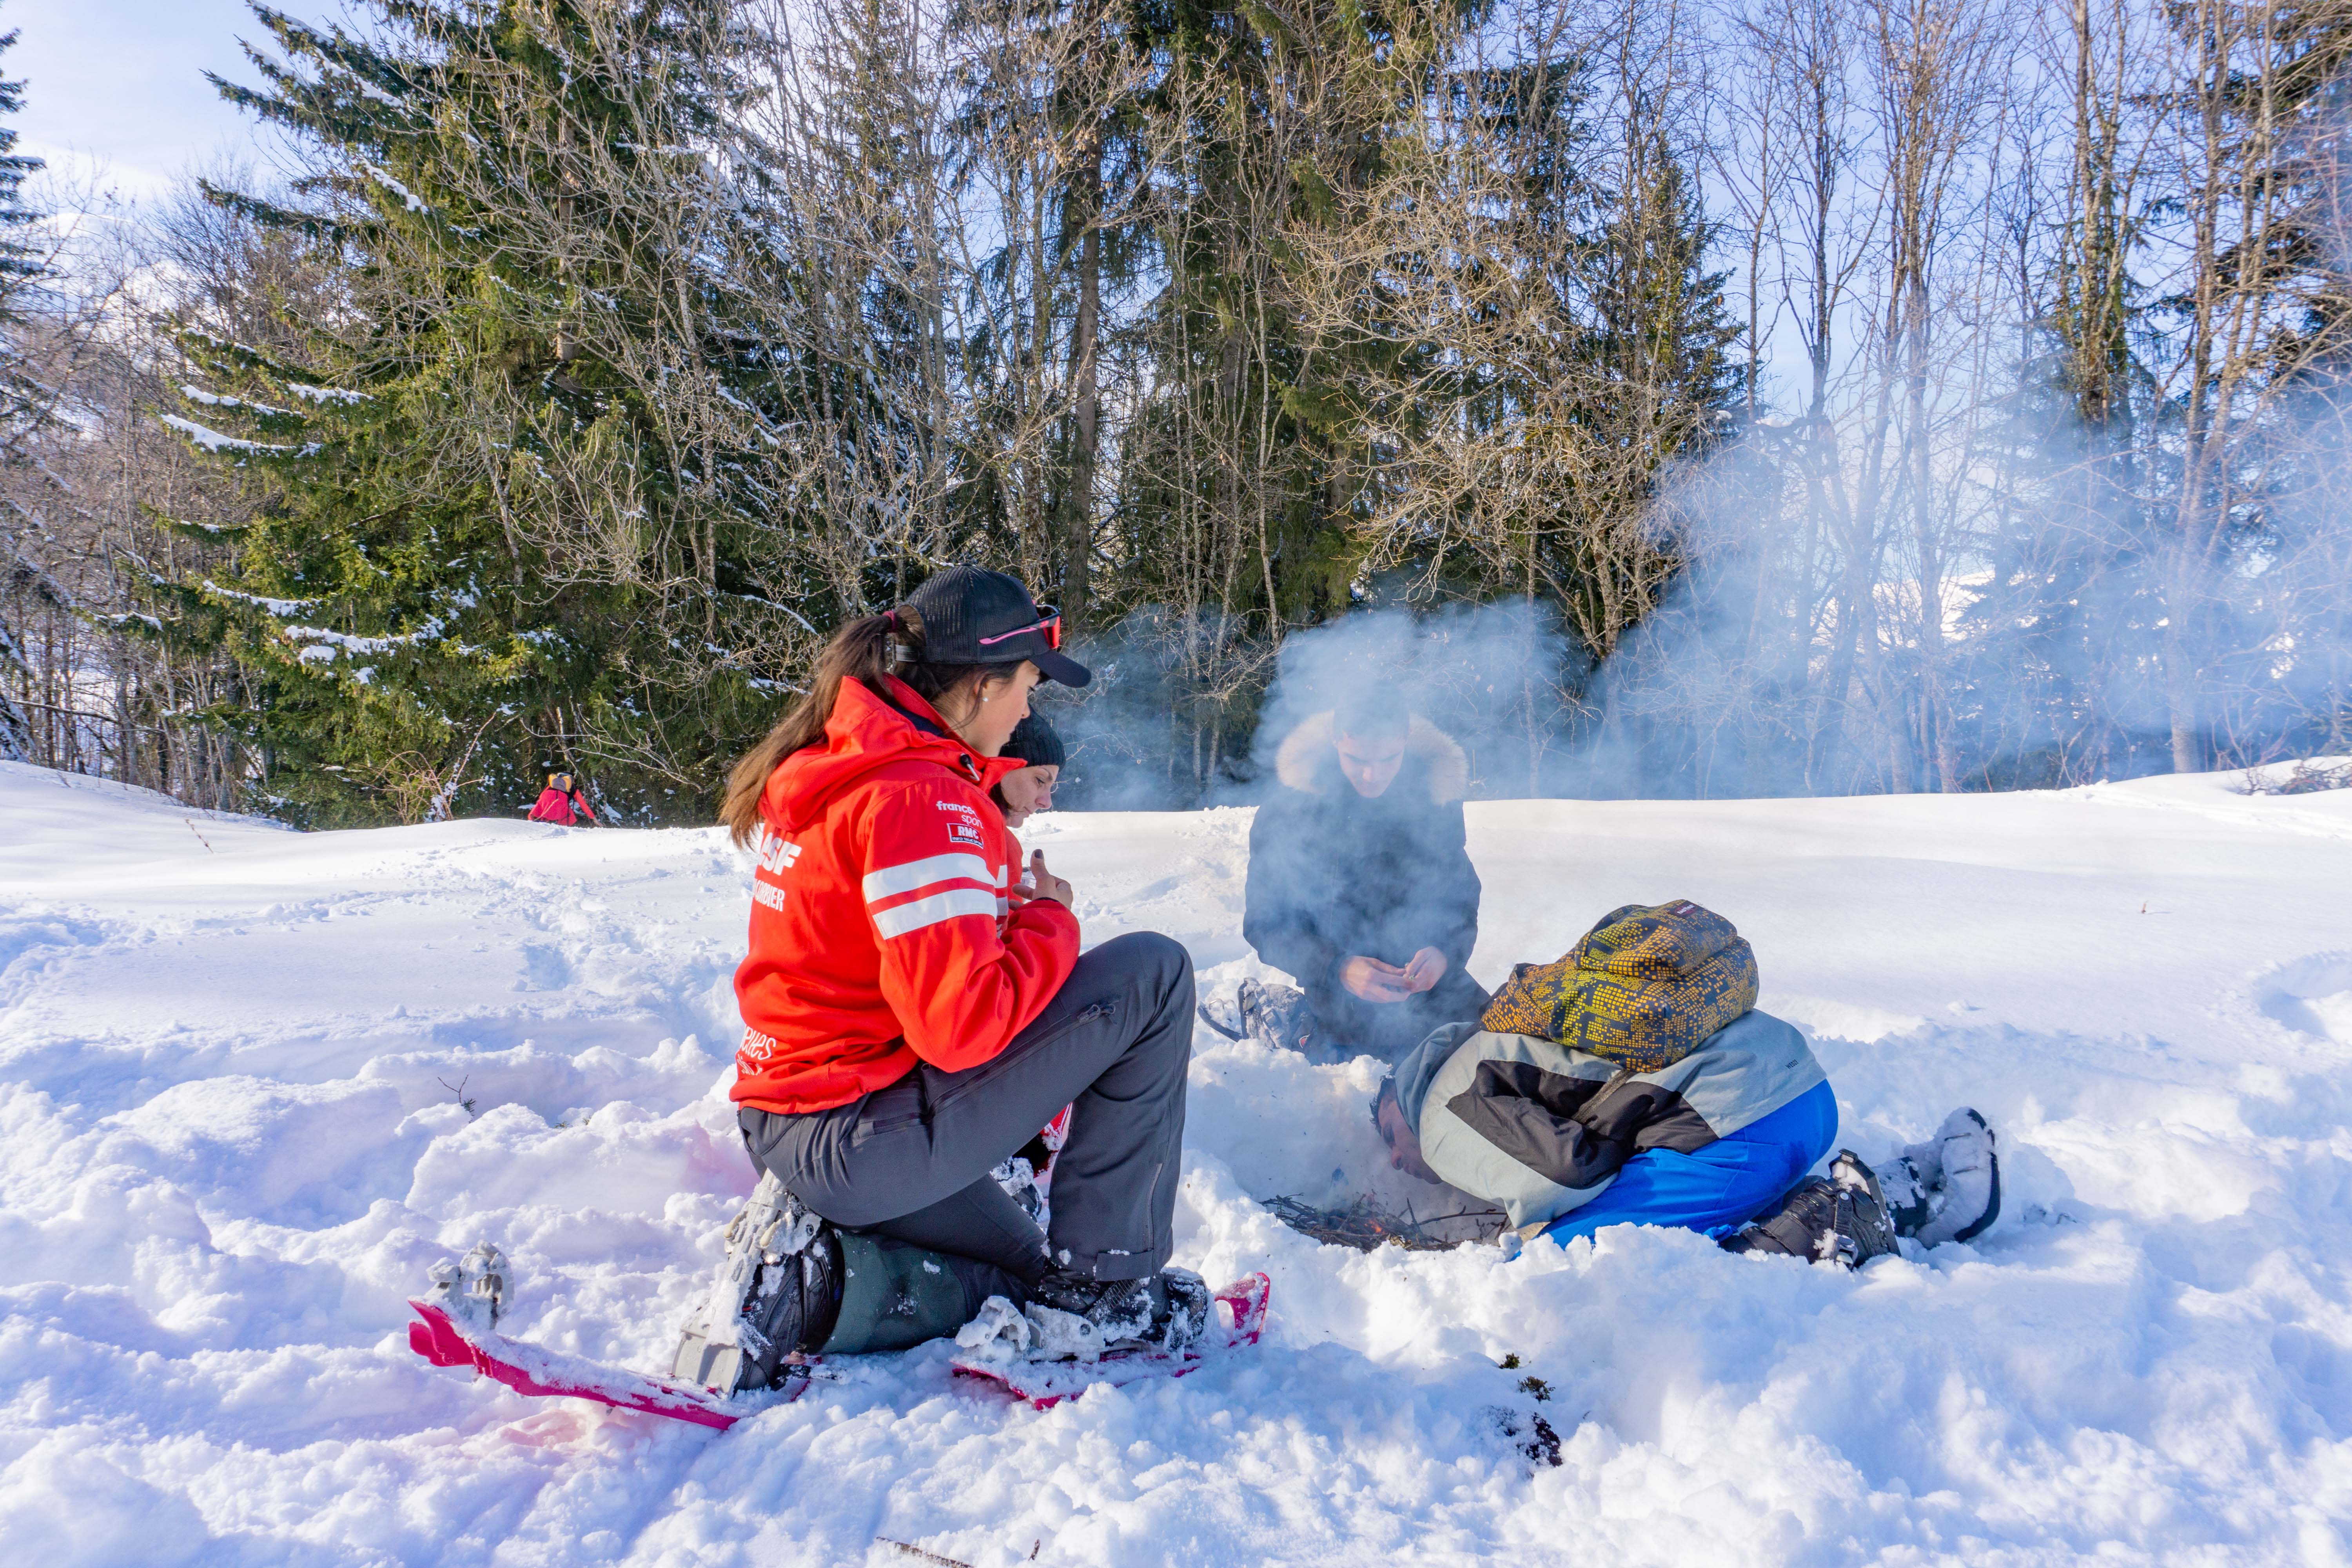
pixel 254 1084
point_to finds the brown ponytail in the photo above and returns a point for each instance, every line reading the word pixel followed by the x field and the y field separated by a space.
pixel 860 650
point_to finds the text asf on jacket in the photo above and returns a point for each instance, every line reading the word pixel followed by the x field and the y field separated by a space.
pixel 1541 1128
pixel 880 930
pixel 1333 874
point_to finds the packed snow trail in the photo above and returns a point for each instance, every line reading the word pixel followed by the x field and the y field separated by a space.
pixel 253 1084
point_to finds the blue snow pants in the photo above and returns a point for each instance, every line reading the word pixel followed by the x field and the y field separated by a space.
pixel 1722 1186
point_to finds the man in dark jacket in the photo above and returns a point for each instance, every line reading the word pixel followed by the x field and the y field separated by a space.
pixel 1359 884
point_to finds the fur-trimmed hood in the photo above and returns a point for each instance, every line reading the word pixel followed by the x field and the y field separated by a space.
pixel 1332 873
pixel 1298 762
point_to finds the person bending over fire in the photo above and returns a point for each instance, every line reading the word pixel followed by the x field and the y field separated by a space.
pixel 1635 1082
pixel 1360 886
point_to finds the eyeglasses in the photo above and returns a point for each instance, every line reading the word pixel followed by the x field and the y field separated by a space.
pixel 1049 622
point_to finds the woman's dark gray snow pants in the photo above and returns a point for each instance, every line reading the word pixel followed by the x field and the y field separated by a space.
pixel 912 1161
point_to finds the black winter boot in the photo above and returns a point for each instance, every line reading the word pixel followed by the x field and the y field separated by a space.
pixel 794 1304
pixel 1164 1312
pixel 1805 1221
pixel 1865 1230
pixel 775 1293
pixel 858 1294
pixel 1841 1217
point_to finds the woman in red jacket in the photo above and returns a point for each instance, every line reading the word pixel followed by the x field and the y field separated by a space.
pixel 915 1009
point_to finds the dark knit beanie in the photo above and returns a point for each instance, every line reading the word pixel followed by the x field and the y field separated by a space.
pixel 1035 743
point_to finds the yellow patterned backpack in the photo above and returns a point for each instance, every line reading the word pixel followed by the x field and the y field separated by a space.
pixel 1644 988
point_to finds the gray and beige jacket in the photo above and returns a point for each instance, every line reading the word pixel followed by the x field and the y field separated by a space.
pixel 1541 1129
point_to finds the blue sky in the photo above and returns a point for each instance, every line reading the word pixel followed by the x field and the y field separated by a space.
pixel 115 91
pixel 117 85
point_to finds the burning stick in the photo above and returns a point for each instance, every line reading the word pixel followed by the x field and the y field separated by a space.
pixel 1365 1226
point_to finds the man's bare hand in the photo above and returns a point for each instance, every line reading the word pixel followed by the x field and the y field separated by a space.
pixel 1044 884
pixel 1427 968
pixel 1374 981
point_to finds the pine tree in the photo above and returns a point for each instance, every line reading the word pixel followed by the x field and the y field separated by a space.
pixel 23 400
pixel 1661 339
pixel 24 265
pixel 1246 464
pixel 515 517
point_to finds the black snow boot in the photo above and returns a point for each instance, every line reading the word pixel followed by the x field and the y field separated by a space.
pixel 1948 1188
pixel 1805 1220
pixel 1164 1312
pixel 1841 1217
pixel 852 1293
pixel 1865 1230
pixel 776 1292
pixel 793 1303
pixel 895 1295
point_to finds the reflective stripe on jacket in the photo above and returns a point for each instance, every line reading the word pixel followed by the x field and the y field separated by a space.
pixel 875 934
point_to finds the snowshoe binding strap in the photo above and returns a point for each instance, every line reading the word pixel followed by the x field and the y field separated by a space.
pixel 471 1290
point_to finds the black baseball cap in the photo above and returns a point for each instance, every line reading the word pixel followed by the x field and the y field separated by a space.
pixel 972 615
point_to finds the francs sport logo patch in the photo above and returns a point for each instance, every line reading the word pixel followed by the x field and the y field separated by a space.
pixel 963 828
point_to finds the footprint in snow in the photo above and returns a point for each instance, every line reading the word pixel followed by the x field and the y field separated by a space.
pixel 2311 995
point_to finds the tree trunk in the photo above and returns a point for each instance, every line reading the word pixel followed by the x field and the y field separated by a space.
pixel 1077 514
pixel 2180 699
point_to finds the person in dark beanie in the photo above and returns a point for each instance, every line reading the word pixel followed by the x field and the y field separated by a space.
pixel 1359 885
pixel 912 1017
pixel 1029 789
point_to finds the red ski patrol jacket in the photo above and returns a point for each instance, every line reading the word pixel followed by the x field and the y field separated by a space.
pixel 876 930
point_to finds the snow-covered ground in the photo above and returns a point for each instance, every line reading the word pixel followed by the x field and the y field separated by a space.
pixel 253 1083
